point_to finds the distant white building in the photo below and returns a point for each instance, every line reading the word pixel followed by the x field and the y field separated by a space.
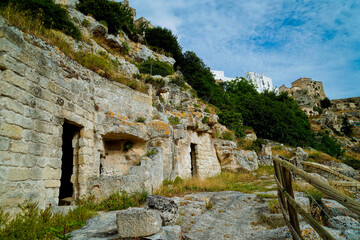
pixel 220 76
pixel 260 81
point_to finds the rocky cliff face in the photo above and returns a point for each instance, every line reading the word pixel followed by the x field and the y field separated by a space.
pixel 67 131
pixel 331 121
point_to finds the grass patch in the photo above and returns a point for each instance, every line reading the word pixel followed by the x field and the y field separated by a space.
pixel 34 223
pixel 269 221
pixel 320 157
pixel 226 181
pixel 282 151
pixel 116 201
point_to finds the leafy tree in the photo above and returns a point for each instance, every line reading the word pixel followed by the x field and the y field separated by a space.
pixel 325 103
pixel 53 15
pixel 347 128
pixel 163 38
pixel 115 14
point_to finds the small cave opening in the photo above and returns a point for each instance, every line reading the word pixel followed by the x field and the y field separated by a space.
pixel 121 153
pixel 193 159
pixel 67 163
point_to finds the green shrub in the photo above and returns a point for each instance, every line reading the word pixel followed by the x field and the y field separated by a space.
pixel 116 201
pixel 164 39
pixel 53 15
pixel 34 223
pixel 154 67
pixel 325 103
pixel 103 23
pixel 115 14
pixel 156 82
pixel 315 195
pixel 352 162
pixel 151 152
pixel 128 145
pixel 126 47
pixel 205 120
pixel 317 109
pixel 85 23
pixel 140 119
pixel 173 120
pixel 227 136
pixel 346 127
pixel 178 81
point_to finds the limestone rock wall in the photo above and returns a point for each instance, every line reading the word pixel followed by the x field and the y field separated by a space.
pixel 42 91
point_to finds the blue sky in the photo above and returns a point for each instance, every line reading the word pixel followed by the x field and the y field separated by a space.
pixel 284 39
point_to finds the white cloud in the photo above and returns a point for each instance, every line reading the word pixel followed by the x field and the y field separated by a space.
pixel 285 39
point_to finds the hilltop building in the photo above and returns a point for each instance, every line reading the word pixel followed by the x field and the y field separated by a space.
pixel 220 76
pixel 260 81
pixel 307 92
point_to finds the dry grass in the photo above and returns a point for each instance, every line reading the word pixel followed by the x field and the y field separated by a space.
pixel 282 152
pixel 320 157
pixel 226 181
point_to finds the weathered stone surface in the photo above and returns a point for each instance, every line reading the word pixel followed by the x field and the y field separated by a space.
pixel 344 223
pixel 167 233
pixel 319 177
pixel 138 222
pixel 250 137
pixel 301 155
pixel 230 217
pixel 144 54
pixel 265 156
pixel 334 209
pixel 247 160
pixel 166 207
pixel 11 131
pixel 101 226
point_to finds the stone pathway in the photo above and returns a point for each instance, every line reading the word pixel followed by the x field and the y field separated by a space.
pixel 221 216
pixel 224 215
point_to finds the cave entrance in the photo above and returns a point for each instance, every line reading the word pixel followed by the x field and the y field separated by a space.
pixel 70 131
pixel 193 159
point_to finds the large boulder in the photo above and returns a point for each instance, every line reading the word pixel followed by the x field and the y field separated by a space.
pixel 166 207
pixel 265 156
pixel 144 54
pixel 301 155
pixel 344 222
pixel 138 222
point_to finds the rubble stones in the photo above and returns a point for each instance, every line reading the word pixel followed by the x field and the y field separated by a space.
pixel 166 207
pixel 137 222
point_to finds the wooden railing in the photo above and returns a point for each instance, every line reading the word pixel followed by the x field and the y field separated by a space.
pixel 284 171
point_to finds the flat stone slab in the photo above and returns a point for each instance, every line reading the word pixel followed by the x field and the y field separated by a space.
pixel 138 222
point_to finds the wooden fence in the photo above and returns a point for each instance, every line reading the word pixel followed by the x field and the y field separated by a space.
pixel 290 208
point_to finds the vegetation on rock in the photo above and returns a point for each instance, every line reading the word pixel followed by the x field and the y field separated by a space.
pixel 163 38
pixel 52 15
pixel 116 15
pixel 155 67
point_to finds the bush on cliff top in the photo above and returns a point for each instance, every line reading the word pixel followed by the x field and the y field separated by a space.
pixel 115 14
pixel 52 15
pixel 154 67
pixel 163 38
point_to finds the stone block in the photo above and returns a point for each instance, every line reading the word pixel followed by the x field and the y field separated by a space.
pixel 19 147
pixel 137 222
pixel 18 174
pixel 11 131
pixel 13 105
pixel 4 144
pixel 52 183
pixel 36 173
